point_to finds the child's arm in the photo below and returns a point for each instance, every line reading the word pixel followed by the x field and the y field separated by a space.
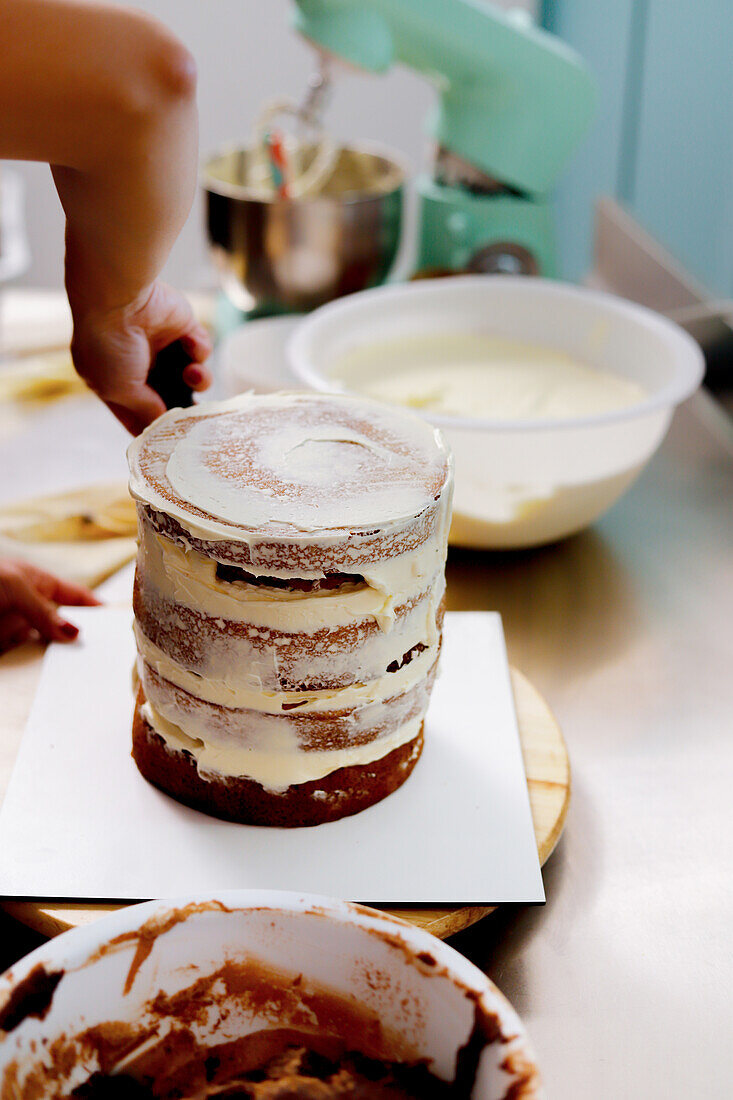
pixel 107 97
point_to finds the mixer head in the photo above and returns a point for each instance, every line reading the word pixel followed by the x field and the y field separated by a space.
pixel 513 101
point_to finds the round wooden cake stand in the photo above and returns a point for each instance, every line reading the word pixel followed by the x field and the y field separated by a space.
pixel 548 778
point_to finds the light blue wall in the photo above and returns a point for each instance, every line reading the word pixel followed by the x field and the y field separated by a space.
pixel 601 34
pixel 684 176
pixel 663 141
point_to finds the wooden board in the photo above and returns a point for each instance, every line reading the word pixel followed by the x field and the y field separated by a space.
pixel 548 778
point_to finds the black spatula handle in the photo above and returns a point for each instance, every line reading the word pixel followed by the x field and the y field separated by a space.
pixel 166 376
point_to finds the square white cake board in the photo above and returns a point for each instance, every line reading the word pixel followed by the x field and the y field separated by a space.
pixel 79 821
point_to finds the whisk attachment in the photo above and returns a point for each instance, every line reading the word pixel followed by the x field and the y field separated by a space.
pixel 296 165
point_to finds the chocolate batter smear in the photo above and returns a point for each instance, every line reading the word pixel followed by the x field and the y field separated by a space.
pixel 121 1087
pixel 485 1031
pixel 339 1050
pixel 280 1064
pixel 31 997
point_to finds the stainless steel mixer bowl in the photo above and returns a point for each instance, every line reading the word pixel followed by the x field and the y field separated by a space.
pixel 279 254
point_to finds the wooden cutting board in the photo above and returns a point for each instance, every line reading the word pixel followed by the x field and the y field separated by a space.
pixel 548 779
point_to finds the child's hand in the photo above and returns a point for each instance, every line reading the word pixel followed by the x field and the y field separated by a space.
pixel 27 604
pixel 113 351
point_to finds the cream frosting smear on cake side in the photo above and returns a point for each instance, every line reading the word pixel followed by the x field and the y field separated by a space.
pixel 290 582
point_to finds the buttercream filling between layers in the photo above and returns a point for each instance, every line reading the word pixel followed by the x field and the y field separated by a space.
pixel 272 769
pixel 236 691
pixel 188 577
pixel 277 662
pixel 290 732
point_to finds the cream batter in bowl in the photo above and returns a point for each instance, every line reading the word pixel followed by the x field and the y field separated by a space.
pixel 552 397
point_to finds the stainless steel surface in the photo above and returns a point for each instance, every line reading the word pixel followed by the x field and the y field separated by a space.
pixel 281 254
pixel 624 977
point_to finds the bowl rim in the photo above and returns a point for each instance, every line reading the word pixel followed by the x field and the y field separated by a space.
pixel 398 162
pixel 79 945
pixel 689 362
pixel 84 940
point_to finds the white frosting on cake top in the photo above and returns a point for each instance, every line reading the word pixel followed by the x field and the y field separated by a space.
pixel 305 463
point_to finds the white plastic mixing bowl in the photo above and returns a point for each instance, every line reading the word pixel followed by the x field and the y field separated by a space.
pixel 206 964
pixel 524 482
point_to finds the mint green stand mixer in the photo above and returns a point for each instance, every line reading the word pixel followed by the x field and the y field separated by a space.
pixel 513 102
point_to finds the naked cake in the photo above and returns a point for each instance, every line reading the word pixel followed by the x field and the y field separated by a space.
pixel 289 596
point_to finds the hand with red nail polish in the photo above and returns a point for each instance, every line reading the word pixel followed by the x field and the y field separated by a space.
pixel 28 605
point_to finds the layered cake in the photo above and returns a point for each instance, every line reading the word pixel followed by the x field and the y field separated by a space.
pixel 288 602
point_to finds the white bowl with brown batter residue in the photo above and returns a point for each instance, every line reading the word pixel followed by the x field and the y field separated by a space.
pixel 236 994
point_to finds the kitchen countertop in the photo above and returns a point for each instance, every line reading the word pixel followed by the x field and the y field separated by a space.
pixel 623 978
